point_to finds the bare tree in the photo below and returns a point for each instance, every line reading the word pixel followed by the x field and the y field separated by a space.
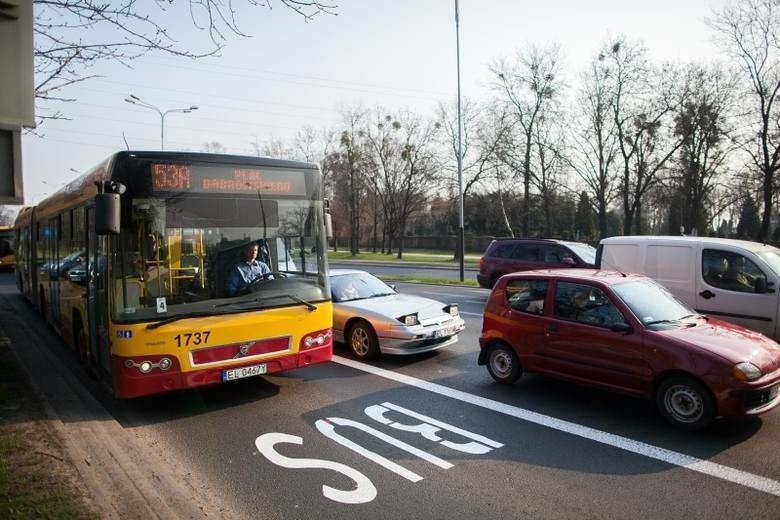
pixel 71 36
pixel 351 179
pixel 404 159
pixel 640 103
pixel 701 123
pixel 749 30
pixel 530 84
pixel 594 140
pixel 548 178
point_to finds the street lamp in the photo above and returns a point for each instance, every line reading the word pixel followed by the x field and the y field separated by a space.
pixel 135 100
pixel 461 234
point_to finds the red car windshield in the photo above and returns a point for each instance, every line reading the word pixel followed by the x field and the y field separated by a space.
pixel 651 303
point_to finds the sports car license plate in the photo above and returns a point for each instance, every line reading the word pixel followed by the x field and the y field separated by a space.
pixel 441 333
pixel 239 373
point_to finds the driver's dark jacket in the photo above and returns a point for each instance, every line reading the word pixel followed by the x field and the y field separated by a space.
pixel 244 273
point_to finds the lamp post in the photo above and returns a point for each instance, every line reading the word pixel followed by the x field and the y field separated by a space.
pixel 461 235
pixel 135 100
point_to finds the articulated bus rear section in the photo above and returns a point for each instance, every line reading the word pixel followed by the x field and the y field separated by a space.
pixel 7 257
pixel 138 265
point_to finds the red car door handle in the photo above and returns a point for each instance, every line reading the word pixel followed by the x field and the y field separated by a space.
pixel 707 294
pixel 552 328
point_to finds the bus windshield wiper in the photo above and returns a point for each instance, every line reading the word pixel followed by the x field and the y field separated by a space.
pixel 177 318
pixel 308 305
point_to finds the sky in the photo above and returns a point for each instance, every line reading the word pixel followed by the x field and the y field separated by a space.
pixel 291 73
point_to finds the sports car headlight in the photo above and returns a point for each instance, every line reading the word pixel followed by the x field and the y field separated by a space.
pixel 451 309
pixel 746 371
pixel 409 319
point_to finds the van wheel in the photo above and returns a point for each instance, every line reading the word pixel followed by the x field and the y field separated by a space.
pixel 685 403
pixel 494 279
pixel 503 364
pixel 362 341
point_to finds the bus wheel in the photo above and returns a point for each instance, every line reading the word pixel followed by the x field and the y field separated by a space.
pixel 42 305
pixel 362 341
pixel 83 350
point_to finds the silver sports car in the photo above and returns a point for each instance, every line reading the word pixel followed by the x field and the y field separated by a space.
pixel 371 317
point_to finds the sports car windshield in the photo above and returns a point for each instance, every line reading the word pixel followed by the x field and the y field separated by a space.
pixel 358 286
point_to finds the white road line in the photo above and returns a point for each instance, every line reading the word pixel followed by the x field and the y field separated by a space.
pixel 674 458
pixel 470 313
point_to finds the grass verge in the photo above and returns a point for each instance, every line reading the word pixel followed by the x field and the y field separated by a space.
pixel 438 258
pixel 429 279
pixel 36 481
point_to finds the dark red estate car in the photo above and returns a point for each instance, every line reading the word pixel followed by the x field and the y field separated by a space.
pixel 509 255
pixel 628 334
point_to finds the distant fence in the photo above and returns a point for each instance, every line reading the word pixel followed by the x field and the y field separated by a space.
pixel 437 243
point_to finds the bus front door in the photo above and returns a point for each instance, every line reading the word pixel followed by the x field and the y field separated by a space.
pixel 97 301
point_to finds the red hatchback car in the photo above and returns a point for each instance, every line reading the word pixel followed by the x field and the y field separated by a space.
pixel 628 334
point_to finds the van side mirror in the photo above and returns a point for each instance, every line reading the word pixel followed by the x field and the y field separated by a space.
pixel 760 285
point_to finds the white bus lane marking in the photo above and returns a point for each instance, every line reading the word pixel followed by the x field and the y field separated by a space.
pixel 328 430
pixel 365 490
pixel 712 469
pixel 429 427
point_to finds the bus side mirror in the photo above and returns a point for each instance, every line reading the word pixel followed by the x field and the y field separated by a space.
pixel 328 226
pixel 107 214
pixel 107 207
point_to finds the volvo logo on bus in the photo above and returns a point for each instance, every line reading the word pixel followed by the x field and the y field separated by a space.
pixel 243 350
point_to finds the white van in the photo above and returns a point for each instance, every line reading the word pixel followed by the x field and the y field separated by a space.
pixel 734 280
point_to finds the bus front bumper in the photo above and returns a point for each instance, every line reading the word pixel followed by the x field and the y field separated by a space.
pixel 130 382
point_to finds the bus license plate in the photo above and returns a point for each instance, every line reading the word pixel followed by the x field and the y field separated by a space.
pixel 239 373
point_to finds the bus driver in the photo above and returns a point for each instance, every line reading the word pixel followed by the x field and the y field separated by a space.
pixel 247 271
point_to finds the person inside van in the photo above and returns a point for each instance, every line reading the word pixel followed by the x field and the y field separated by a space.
pixel 714 267
pixel 735 278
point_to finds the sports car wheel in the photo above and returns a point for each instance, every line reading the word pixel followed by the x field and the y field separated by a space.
pixel 362 341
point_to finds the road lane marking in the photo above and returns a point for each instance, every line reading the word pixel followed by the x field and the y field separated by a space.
pixel 674 458
pixel 469 313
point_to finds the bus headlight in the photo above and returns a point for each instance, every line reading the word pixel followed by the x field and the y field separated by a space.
pixel 319 338
pixel 145 367
pixel 165 363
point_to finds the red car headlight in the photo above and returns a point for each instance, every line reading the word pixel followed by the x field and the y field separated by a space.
pixel 746 371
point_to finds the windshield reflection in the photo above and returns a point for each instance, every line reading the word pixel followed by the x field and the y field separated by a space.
pixel 183 250
pixel 358 286
pixel 652 303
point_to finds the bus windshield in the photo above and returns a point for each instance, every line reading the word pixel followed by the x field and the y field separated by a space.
pixel 176 253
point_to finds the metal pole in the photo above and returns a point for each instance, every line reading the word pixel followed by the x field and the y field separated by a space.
pixel 461 236
pixel 162 131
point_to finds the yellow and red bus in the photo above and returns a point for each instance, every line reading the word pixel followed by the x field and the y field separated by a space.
pixel 130 264
pixel 7 258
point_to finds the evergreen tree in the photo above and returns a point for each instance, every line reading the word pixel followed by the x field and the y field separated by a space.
pixel 584 222
pixel 749 221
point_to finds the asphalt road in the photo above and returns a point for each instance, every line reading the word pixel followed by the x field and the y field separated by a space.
pixel 431 436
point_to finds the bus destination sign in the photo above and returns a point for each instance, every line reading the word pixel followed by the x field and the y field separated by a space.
pixel 208 179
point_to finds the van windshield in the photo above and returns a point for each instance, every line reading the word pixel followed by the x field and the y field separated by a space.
pixel 772 258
